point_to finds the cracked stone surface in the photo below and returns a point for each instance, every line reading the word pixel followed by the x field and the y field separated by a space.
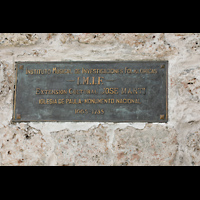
pixel 176 143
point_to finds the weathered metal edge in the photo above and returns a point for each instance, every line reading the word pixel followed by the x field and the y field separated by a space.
pixel 89 61
pixel 14 94
pixel 149 121
pixel 167 92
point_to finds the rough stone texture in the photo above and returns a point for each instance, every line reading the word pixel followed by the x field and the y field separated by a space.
pixel 17 39
pixel 176 143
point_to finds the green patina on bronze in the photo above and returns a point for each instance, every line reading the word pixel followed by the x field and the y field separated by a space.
pixel 91 91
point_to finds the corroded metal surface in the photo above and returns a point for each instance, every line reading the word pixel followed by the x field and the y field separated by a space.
pixel 91 91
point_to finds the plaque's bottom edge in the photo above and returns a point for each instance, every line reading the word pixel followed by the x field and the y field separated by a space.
pixel 132 121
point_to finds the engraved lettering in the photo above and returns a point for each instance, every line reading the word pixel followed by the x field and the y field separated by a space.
pixel 61 71
pixel 73 101
pixel 123 91
pixel 110 91
pixel 70 91
pixel 37 90
pixel 86 80
pixel 93 80
pixel 78 80
pixel 100 80
pixel 137 91
pixel 81 111
pixel 61 101
pixel 77 71
pixel 99 101
pixel 128 101
pixel 48 101
pixel 102 71
pixel 37 71
pixel 97 111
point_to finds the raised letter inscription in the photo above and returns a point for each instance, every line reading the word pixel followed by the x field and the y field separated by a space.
pixel 91 91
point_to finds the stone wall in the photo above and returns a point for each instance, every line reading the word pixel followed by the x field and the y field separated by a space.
pixel 170 144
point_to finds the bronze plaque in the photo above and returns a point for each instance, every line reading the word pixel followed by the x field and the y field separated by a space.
pixel 134 91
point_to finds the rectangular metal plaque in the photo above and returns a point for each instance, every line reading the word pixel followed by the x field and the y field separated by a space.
pixel 91 91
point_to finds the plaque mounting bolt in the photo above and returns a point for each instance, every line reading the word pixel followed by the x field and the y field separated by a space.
pixel 21 67
pixel 162 66
pixel 162 116
pixel 18 116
